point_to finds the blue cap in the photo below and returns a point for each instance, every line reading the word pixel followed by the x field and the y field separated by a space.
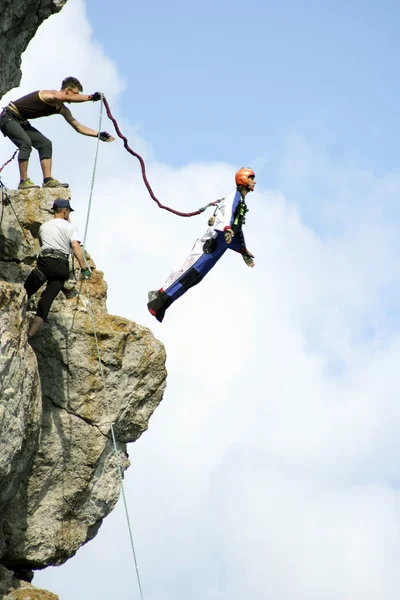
pixel 61 203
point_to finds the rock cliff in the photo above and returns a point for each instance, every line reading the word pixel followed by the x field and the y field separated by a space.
pixel 58 472
pixel 18 24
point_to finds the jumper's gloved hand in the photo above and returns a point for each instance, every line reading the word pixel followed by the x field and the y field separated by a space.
pixel 248 259
pixel 95 97
pixel 106 137
pixel 86 273
pixel 228 235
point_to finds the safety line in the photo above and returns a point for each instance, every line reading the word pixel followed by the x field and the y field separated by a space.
pixel 101 366
pixel 113 437
pixel 9 160
pixel 144 176
pixel 93 176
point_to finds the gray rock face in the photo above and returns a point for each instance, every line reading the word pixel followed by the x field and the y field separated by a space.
pixel 21 403
pixel 19 22
pixel 58 467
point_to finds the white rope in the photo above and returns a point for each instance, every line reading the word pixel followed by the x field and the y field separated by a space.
pixel 113 438
pixel 101 365
pixel 94 174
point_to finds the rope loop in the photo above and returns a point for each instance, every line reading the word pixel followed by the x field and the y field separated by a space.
pixel 143 168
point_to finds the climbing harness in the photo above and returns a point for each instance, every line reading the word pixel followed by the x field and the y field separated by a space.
pixel 240 217
pixel 144 176
pixel 6 201
pixel 53 253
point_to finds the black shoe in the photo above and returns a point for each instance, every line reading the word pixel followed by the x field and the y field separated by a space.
pixel 158 306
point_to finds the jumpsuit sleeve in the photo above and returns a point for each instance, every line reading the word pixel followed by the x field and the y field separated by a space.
pixel 239 243
pixel 228 210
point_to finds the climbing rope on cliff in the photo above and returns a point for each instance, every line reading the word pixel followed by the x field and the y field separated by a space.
pixel 113 436
pixel 93 178
pixel 144 176
pixel 93 323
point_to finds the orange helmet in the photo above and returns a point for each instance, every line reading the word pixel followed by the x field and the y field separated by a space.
pixel 242 176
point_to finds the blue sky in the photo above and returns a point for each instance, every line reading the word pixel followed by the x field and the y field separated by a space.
pixel 277 460
pixel 228 80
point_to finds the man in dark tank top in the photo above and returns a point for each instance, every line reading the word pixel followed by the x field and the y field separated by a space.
pixel 15 125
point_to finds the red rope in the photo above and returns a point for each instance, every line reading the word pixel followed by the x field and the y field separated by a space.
pixel 8 161
pixel 142 165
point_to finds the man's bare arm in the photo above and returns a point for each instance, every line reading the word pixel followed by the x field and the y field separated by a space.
pixel 66 113
pixel 54 97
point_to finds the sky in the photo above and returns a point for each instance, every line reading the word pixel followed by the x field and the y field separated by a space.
pixel 270 468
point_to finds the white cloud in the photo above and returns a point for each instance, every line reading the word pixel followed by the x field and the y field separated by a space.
pixel 269 470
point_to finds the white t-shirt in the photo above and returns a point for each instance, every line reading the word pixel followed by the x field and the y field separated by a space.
pixel 58 234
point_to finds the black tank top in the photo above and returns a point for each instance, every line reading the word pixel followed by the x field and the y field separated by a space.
pixel 32 106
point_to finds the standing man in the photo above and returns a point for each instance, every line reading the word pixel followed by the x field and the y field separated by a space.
pixel 14 124
pixel 225 231
pixel 57 238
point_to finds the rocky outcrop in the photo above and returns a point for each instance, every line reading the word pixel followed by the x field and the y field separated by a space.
pixel 59 473
pixel 19 22
pixel 58 469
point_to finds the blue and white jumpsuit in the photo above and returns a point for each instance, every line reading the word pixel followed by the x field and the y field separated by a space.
pixel 206 252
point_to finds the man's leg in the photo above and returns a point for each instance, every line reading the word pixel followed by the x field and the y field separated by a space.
pixel 16 133
pixel 32 285
pixel 45 302
pixel 36 324
pixel 45 148
pixel 57 272
pixel 195 267
pixel 46 164
pixel 23 169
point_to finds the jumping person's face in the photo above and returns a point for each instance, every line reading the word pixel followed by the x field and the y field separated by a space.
pixel 67 212
pixel 252 183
